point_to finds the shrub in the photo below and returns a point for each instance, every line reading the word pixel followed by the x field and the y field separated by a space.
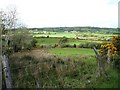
pixel 48 36
pixel 63 40
pixel 89 45
pixel 74 45
pixel 33 43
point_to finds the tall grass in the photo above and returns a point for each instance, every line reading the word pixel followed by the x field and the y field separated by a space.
pixel 58 72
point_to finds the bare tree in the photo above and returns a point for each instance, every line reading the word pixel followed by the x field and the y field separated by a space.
pixel 9 17
pixel 8 23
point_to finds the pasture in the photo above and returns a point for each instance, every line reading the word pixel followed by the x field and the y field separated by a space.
pixel 70 34
pixel 72 52
pixel 71 41
pixel 71 64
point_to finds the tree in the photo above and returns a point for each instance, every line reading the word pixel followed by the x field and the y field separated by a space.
pixel 9 18
pixel 21 40
pixel 8 22
pixel 17 37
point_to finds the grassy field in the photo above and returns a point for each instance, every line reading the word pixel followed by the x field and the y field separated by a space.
pixel 72 51
pixel 71 35
pixel 56 67
pixel 77 42
pixel 56 34
pixel 54 37
pixel 47 41
pixel 71 41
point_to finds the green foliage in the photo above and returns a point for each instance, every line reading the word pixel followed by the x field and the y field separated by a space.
pixel 114 46
pixel 21 40
pixel 116 42
pixel 34 41
pixel 112 82
pixel 63 40
pixel 117 62
pixel 46 41
pixel 90 45
pixel 18 40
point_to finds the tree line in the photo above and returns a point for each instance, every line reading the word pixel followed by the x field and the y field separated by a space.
pixel 80 29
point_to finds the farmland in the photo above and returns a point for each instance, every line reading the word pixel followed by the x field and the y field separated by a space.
pixel 57 57
pixel 72 51
pixel 51 38
pixel 62 59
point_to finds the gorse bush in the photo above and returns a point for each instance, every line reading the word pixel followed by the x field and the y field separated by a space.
pixel 114 48
pixel 116 42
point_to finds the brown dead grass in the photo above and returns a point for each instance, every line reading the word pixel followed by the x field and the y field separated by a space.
pixel 37 53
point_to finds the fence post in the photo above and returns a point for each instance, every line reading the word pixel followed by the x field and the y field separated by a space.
pixel 6 69
pixel 38 84
pixel 0 73
pixel 108 59
pixel 101 69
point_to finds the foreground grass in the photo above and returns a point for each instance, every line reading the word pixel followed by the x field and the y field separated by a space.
pixel 58 71
pixel 53 72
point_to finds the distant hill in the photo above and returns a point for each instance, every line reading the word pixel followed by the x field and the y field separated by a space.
pixel 81 29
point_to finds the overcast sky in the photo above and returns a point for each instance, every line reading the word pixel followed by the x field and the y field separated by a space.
pixel 61 13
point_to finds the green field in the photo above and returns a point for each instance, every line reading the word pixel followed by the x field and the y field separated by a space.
pixel 51 38
pixel 77 42
pixel 48 41
pixel 71 41
pixel 71 34
pixel 72 51
pixel 56 34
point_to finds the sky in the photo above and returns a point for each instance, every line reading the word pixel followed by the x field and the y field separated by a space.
pixel 65 13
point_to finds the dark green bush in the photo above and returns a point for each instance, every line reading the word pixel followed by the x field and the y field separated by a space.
pixel 89 45
pixel 33 42
pixel 63 40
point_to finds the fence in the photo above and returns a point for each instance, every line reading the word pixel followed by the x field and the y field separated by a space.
pixel 7 73
pixel 6 69
pixel 0 73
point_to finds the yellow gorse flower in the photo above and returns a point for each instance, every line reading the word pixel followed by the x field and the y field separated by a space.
pixel 108 47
